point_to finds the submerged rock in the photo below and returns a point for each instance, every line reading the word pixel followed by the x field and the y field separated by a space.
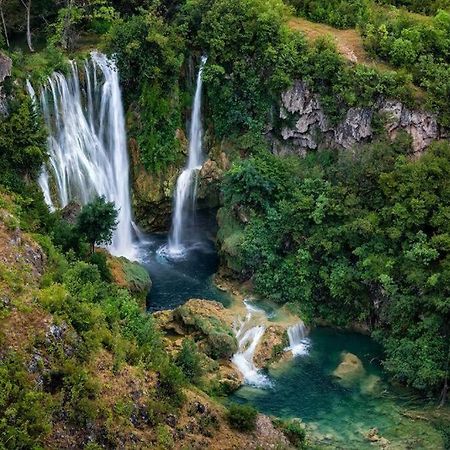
pixel 350 369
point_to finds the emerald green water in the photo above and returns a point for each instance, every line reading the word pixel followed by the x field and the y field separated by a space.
pixel 340 414
pixel 337 414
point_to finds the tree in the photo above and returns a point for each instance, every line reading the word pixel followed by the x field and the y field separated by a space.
pixel 27 6
pixel 5 30
pixel 97 221
pixel 189 360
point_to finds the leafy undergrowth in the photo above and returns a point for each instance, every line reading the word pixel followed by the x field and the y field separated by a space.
pixel 348 42
pixel 82 365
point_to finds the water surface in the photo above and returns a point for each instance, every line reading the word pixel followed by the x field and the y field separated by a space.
pixel 176 280
pixel 342 413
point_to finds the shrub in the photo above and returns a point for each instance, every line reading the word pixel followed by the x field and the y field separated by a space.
pixel 97 221
pixel 294 431
pixel 189 360
pixel 242 417
pixel 221 345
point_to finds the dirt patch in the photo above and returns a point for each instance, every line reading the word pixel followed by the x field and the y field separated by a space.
pixel 349 43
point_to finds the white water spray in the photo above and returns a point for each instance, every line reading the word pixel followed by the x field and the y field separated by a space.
pixel 43 176
pixel 87 142
pixel 298 340
pixel 248 336
pixel 185 193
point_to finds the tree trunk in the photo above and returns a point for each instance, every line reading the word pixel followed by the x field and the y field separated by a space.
pixel 28 9
pixel 4 24
pixel 92 248
pixel 444 392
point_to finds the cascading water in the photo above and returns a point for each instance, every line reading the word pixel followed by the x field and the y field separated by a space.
pixel 298 341
pixel 43 176
pixel 185 193
pixel 248 337
pixel 87 142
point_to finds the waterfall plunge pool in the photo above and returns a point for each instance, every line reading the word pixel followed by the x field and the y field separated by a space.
pixel 339 414
pixel 176 280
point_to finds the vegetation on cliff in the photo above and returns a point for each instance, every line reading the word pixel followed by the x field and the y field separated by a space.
pixel 354 237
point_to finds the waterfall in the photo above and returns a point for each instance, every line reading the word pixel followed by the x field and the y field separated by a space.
pixel 185 193
pixel 298 341
pixel 87 142
pixel 43 176
pixel 248 337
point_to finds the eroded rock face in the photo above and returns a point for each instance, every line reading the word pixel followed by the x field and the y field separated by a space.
pixel 271 346
pixel 306 127
pixel 152 193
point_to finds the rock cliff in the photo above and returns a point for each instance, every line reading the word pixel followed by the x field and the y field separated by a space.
pixel 305 125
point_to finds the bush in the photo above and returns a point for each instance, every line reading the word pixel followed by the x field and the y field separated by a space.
pixel 242 417
pixel 221 345
pixel 189 361
pixel 294 431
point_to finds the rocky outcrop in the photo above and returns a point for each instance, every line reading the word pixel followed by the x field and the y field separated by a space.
pixel 271 346
pixel 129 275
pixel 305 126
pixel 5 71
pixel 152 193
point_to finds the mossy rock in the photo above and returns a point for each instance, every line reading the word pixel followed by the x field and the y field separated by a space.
pixel 129 275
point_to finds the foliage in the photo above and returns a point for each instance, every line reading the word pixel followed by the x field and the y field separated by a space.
pixel 22 145
pixel 339 13
pixel 242 417
pixel 149 56
pixel 357 237
pixel 294 431
pixel 251 56
pixel 147 51
pixel 25 410
pixel 97 221
pixel 189 361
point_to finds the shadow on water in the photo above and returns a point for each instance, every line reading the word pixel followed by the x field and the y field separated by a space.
pixel 176 280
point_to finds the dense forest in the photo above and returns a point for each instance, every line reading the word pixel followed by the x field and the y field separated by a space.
pixel 347 236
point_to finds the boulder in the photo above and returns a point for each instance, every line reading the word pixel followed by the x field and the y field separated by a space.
pixel 129 275
pixel 271 346
pixel 350 369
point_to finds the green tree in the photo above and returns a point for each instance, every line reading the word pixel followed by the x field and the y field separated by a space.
pixel 189 360
pixel 97 221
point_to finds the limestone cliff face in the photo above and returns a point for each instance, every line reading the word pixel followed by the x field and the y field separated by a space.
pixel 152 193
pixel 305 125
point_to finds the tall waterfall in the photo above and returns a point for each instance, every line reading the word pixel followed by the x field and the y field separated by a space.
pixel 43 176
pixel 87 142
pixel 185 193
pixel 248 335
pixel 298 341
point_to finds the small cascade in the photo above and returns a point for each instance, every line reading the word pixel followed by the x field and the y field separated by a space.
pixel 87 142
pixel 298 340
pixel 185 193
pixel 248 336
